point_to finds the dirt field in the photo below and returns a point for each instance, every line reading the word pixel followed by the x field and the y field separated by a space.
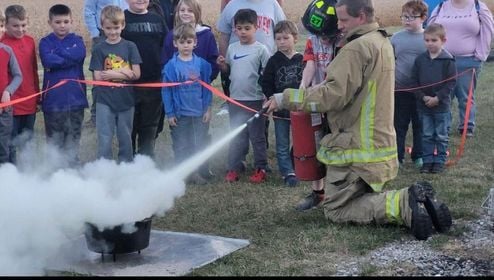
pixel 387 11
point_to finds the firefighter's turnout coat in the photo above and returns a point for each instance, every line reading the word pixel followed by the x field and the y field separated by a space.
pixel 358 96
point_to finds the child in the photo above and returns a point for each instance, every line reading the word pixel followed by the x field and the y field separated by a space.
pixel 62 55
pixel 320 49
pixel 92 16
pixel 434 67
pixel 147 30
pixel 190 11
pixel 187 107
pixel 23 45
pixel 115 60
pixel 10 79
pixel 283 70
pixel 244 62
pixel 268 12
pixel 408 44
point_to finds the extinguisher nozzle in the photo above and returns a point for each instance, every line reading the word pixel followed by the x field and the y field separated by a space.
pixel 258 114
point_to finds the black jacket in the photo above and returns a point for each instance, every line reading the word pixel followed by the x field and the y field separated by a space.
pixel 435 77
pixel 281 73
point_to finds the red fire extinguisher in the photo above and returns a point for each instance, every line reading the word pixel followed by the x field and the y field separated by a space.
pixel 306 134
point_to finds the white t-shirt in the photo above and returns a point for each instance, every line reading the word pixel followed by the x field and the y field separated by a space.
pixel 268 12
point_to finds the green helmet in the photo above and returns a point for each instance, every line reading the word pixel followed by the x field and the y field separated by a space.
pixel 320 18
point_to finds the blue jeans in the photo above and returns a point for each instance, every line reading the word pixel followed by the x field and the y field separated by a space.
pixel 461 89
pixel 282 134
pixel 189 137
pixel 107 121
pixel 22 132
pixel 435 135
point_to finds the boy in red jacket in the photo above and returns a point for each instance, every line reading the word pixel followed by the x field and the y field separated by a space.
pixel 25 52
pixel 10 79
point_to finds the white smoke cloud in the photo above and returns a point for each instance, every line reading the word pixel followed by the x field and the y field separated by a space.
pixel 43 207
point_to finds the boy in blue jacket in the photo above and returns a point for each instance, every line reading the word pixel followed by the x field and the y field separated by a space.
pixel 62 55
pixel 187 106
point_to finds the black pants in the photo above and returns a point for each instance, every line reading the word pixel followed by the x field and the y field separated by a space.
pixel 148 110
pixel 406 112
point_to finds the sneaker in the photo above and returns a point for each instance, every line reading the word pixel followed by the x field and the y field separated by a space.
pixel 426 168
pixel 437 168
pixel 469 132
pixel 259 176
pixel 418 163
pixel 291 180
pixel 437 210
pixel 231 176
pixel 421 226
pixel 311 201
pixel 223 109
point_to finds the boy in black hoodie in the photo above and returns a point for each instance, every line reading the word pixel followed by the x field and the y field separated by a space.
pixel 434 72
pixel 283 70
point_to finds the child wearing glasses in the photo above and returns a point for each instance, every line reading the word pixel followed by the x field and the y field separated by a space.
pixel 408 43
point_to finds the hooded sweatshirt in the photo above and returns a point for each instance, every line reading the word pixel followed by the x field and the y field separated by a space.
pixel 206 48
pixel 435 72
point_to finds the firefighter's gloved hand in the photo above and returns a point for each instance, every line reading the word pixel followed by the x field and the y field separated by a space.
pixel 271 104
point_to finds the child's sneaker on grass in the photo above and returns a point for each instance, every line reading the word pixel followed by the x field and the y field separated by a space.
pixel 291 180
pixel 418 163
pixel 259 176
pixel 231 176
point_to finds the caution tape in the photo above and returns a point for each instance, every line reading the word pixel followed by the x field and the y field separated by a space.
pixel 221 95
pixel 436 83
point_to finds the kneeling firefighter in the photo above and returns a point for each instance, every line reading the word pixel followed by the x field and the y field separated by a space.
pixel 360 152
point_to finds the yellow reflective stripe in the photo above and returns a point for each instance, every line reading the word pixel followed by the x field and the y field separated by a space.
pixel 367 117
pixel 393 206
pixel 331 157
pixel 319 4
pixel 296 95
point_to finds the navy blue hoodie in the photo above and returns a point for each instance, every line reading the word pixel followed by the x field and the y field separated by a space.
pixel 63 59
pixel 438 72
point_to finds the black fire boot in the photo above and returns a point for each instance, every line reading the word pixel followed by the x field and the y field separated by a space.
pixel 421 221
pixel 311 201
pixel 438 211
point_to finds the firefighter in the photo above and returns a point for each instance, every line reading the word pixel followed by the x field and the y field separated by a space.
pixel 360 152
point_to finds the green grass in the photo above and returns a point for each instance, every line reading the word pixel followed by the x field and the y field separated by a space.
pixel 287 243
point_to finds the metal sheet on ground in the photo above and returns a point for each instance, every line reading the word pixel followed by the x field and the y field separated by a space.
pixel 169 254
